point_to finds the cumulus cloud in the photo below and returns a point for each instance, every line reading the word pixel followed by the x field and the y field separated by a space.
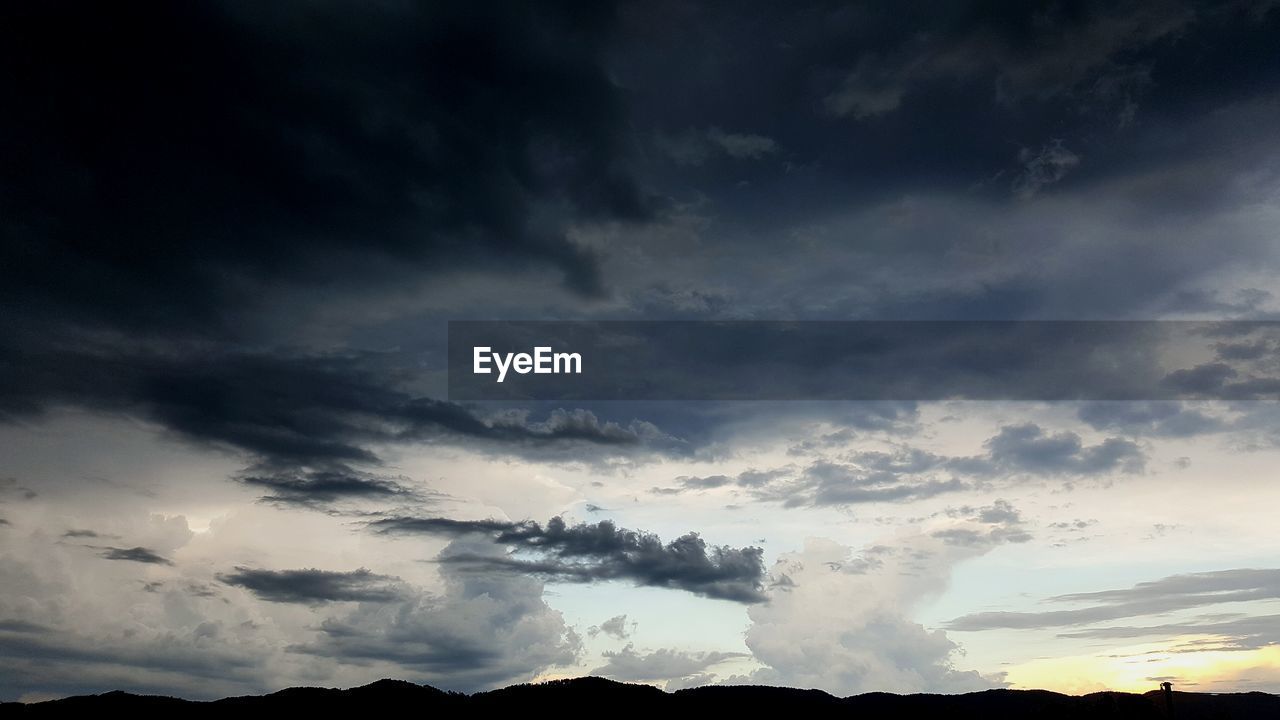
pixel 1029 448
pixel 76 624
pixel 985 527
pixel 181 636
pixel 615 627
pixel 840 621
pixel 676 668
pixel 485 629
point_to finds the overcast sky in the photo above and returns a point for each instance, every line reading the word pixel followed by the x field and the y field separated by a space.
pixel 231 237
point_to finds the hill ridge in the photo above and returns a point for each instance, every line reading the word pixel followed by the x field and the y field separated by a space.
pixel 592 690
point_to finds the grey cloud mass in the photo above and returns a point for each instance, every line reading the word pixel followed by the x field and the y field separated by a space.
pixel 590 552
pixel 630 665
pixel 1028 448
pixel 322 485
pixel 615 626
pixel 908 473
pixel 134 554
pixel 288 409
pixel 1223 632
pixel 314 586
pixel 80 534
pixel 1176 592
pixel 481 631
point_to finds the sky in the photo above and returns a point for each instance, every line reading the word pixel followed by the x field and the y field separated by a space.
pixel 232 237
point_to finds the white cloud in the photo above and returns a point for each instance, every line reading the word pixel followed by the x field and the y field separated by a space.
pixel 839 621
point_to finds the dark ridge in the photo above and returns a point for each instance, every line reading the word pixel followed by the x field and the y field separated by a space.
pixel 586 691
pixel 383 694
pixel 757 696
pixel 1041 704
pixel 590 692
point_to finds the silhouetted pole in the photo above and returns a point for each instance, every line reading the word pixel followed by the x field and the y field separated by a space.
pixel 1168 698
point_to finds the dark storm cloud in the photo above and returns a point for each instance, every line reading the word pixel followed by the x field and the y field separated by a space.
pixel 312 586
pixel 172 170
pixel 164 159
pixel 134 554
pixel 1176 592
pixel 300 147
pixel 926 93
pixel 167 164
pixel 592 552
pixel 915 210
pixel 315 410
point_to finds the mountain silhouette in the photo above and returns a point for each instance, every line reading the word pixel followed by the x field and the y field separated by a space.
pixel 596 693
